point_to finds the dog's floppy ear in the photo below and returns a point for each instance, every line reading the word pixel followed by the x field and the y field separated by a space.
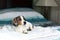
pixel 24 18
pixel 14 21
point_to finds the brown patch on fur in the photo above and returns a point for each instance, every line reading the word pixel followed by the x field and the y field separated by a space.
pixel 17 20
pixel 19 23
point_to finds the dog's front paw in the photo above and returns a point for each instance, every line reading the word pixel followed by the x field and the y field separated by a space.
pixel 25 32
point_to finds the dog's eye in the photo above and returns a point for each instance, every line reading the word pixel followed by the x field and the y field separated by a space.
pixel 19 19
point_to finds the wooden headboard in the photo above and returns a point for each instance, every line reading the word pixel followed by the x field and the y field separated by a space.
pixel 21 3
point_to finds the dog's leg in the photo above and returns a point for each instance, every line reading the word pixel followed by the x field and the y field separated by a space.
pixel 25 30
pixel 30 27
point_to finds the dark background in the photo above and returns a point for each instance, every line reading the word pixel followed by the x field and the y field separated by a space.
pixel 15 3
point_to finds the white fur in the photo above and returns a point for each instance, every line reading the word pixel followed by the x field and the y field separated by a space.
pixel 28 25
pixel 22 19
pixel 23 28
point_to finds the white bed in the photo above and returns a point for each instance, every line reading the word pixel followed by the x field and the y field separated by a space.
pixel 38 33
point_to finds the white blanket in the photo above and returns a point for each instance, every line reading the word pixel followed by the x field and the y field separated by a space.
pixel 38 33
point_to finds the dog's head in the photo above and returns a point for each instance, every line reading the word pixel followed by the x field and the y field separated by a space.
pixel 19 20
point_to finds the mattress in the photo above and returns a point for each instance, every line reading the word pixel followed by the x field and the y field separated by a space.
pixel 38 33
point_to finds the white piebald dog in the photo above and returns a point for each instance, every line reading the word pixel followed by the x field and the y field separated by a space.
pixel 22 25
